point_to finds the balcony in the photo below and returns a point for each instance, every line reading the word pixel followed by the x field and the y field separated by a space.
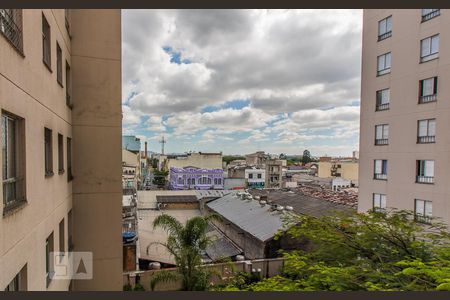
pixel 427 99
pixel 11 27
pixel 425 179
pixel 431 15
pixel 422 219
pixel 380 176
pixel 426 139
pixel 381 142
pixel 380 107
pixel 384 36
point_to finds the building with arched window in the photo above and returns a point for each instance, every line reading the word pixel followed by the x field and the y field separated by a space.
pixel 192 178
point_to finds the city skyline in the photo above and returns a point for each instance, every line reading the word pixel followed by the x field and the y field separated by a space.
pixel 208 88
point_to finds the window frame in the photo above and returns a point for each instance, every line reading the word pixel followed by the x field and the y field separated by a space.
pixel 379 105
pixel 426 217
pixel 422 165
pixel 46 43
pixel 385 70
pixel 384 140
pixel 428 138
pixel 431 55
pixel 15 23
pixel 429 97
pixel 387 33
pixel 59 60
pixel 69 102
pixel 433 13
pixel 379 208
pixel 49 267
pixel 48 152
pixel 60 154
pixel 384 166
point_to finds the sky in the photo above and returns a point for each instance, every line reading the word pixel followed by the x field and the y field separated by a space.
pixel 240 81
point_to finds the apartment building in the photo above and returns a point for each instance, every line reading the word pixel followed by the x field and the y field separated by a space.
pixel 60 101
pixel 405 112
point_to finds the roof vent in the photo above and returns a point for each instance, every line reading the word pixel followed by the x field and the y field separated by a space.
pixel 289 208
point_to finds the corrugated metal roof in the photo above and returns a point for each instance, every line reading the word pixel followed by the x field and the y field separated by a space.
pixel 258 221
pixel 176 198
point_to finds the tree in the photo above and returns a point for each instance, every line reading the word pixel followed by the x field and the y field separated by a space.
pixel 160 178
pixel 185 244
pixel 306 158
pixel 375 252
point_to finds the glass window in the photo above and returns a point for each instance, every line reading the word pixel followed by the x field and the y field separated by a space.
pixel 48 149
pixel 384 64
pixel 59 64
pixel 429 48
pixel 46 48
pixel 379 201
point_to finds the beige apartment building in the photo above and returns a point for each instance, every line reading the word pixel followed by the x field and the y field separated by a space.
pixel 60 100
pixel 346 168
pixel 405 112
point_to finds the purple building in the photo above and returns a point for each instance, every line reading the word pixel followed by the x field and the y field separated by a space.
pixel 192 178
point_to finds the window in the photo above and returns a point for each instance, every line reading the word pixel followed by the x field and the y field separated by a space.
pixel 67 18
pixel 428 90
pixel 62 237
pixel 69 159
pixel 382 134
pixel 48 150
pixel 430 13
pixel 383 99
pixel 70 230
pixel 59 64
pixel 13 160
pixel 429 48
pixel 423 210
pixel 426 131
pixel 19 282
pixel 11 27
pixel 60 153
pixel 259 175
pixel 380 169
pixel 46 51
pixel 425 171
pixel 180 180
pixel 49 259
pixel 68 86
pixel 379 202
pixel 250 175
pixel 384 64
pixel 385 28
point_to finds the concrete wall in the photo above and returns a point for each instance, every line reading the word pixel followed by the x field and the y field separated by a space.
pixel 404 111
pixel 97 139
pixel 199 160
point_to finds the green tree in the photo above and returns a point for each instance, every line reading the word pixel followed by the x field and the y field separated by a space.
pixel 375 252
pixel 160 178
pixel 185 244
pixel 306 157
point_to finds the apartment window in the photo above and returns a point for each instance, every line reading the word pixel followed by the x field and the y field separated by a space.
pixel 13 160
pixel 429 48
pixel 62 237
pixel 380 169
pixel 60 154
pixel 69 159
pixel 384 64
pixel 46 51
pixel 385 28
pixel 68 86
pixel 67 19
pixel 425 171
pixel 428 90
pixel 70 230
pixel 383 99
pixel 430 13
pixel 49 259
pixel 48 150
pixel 379 202
pixel 250 175
pixel 426 131
pixel 259 176
pixel 11 27
pixel 19 282
pixel 382 134
pixel 423 210
pixel 59 64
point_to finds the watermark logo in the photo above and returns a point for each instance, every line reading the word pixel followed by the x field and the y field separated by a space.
pixel 72 265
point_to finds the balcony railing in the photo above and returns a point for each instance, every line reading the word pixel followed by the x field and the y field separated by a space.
pixel 11 27
pixel 428 98
pixel 425 179
pixel 380 176
pixel 384 71
pixel 384 36
pixel 380 142
pixel 379 209
pixel 429 57
pixel 426 139
pixel 431 15
pixel 384 106
pixel 422 219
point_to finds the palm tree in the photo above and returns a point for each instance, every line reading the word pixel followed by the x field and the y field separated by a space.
pixel 185 244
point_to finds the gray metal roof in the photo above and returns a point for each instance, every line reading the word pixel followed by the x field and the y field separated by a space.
pixel 176 198
pixel 258 221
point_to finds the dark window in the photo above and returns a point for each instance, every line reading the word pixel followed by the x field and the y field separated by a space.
pixel 380 169
pixel 70 230
pixel 59 64
pixel 60 153
pixel 48 150
pixel 62 236
pixel 385 28
pixel 13 160
pixel 425 171
pixel 430 13
pixel 11 27
pixel 46 51
pixel 67 19
pixel 250 175
pixel 68 86
pixel 69 159
pixel 49 270
pixel 428 90
pixel 259 175
pixel 383 99
pixel 19 282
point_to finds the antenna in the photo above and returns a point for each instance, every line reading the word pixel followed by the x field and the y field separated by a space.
pixel 162 142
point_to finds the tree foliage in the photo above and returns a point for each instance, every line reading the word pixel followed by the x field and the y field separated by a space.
pixel 373 252
pixel 160 178
pixel 185 243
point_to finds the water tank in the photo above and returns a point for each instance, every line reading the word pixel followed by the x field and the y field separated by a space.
pixel 280 208
pixel 289 208
pixel 240 257
pixel 154 266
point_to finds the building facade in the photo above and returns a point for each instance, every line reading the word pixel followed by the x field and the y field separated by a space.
pixel 344 168
pixel 202 160
pixel 60 99
pixel 192 178
pixel 405 115
pixel 255 178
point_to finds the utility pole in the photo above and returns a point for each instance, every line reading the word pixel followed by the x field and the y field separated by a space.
pixel 162 142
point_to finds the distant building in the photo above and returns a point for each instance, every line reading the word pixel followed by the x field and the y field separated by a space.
pixel 201 160
pixel 346 168
pixel 255 178
pixel 190 177
pixel 131 143
pixel 131 170
pixel 274 173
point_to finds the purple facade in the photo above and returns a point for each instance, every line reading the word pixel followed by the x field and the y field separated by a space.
pixel 192 178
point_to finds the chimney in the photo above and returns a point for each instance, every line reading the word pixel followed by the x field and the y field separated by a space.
pixel 145 154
